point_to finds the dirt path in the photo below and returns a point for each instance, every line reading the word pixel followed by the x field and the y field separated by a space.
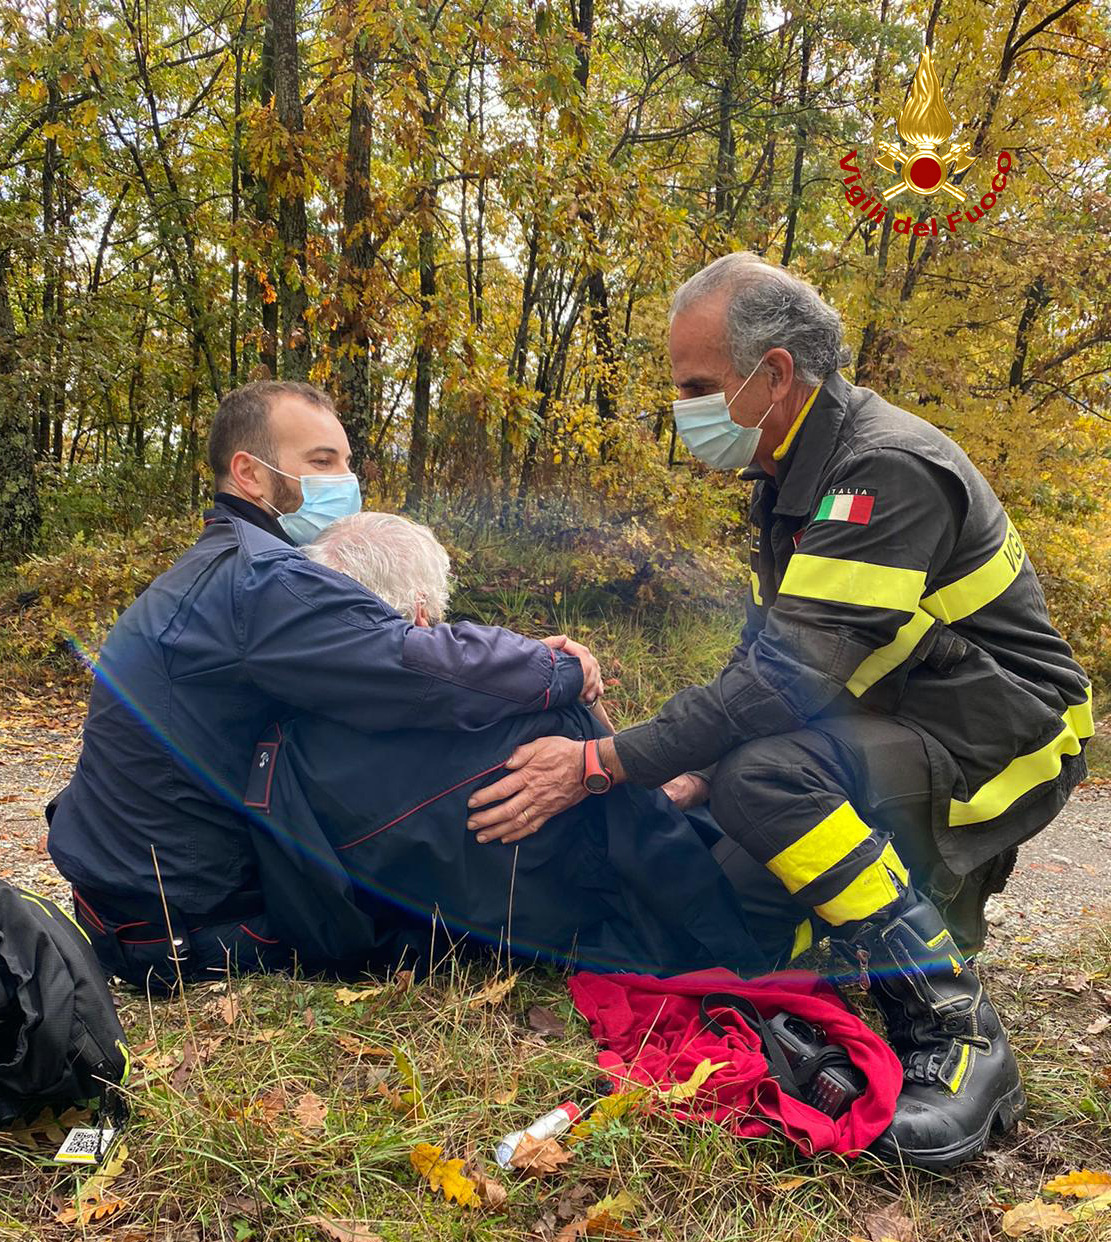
pixel 1063 875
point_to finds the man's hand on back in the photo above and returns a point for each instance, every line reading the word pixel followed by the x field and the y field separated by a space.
pixel 592 673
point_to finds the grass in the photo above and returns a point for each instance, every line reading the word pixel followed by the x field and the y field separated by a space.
pixel 217 1151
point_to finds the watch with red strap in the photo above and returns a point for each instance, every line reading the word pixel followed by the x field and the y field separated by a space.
pixel 597 778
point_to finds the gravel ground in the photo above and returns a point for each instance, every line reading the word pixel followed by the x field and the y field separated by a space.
pixel 1063 874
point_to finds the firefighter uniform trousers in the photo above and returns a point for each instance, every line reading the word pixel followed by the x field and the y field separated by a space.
pixel 839 813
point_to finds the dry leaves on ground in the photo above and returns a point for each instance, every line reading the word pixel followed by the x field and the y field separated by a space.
pixel 342 1230
pixel 1035 1216
pixel 889 1224
pixel 95 1199
pixel 1080 1184
pixel 446 1176
pixel 493 992
pixel 310 1111
pixel 545 1021
pixel 539 1157
pixel 608 1109
pixel 604 1219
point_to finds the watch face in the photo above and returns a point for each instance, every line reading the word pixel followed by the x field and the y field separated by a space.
pixel 597 782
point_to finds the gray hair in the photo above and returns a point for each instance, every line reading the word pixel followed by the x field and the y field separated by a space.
pixel 402 562
pixel 769 308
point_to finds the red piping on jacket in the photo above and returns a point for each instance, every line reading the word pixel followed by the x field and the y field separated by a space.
pixel 426 802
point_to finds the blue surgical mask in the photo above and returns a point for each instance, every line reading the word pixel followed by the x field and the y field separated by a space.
pixel 324 499
pixel 705 427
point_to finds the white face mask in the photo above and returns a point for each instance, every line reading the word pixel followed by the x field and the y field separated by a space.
pixel 711 435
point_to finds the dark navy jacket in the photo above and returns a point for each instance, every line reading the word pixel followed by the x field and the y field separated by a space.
pixel 241 630
pixel 366 860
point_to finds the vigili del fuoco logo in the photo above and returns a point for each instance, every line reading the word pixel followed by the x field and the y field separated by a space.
pixel 925 125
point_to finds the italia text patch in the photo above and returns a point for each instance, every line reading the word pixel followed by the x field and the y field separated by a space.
pixel 847 505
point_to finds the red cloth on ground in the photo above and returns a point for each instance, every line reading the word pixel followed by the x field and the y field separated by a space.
pixel 652 1034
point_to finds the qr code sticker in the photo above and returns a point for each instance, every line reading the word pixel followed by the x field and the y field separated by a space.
pixel 85 1146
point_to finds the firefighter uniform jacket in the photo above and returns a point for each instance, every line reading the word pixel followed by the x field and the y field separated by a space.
pixel 239 631
pixel 886 577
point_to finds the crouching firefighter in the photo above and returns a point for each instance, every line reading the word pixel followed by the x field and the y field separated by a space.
pixel 898 716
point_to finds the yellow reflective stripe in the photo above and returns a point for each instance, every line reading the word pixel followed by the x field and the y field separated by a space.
pixel 756 596
pixel 1026 772
pixel 853 582
pixel 962 1066
pixel 820 849
pixel 804 938
pixel 38 899
pixel 872 889
pixel 972 592
pixel 884 659
pixel 781 452
pixel 126 1054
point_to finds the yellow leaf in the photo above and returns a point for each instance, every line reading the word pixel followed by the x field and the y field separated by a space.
pixel 1092 1207
pixel 791 1183
pixel 620 1206
pixel 702 1071
pixel 1035 1216
pixel 445 1176
pixel 410 1076
pixel 1085 1184
pixel 346 996
pixel 495 991
pixel 608 1109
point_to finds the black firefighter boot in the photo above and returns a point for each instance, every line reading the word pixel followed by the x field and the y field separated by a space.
pixel 960 1080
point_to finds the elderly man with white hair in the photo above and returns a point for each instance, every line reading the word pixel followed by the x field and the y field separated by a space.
pixel 363 847
pixel 899 714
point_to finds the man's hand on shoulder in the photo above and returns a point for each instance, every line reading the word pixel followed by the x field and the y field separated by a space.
pixel 592 673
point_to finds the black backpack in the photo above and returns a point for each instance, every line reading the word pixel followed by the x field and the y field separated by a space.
pixel 60 1039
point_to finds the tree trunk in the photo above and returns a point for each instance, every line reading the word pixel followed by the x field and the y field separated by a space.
pixel 800 144
pixel 1036 300
pixel 426 264
pixel 292 220
pixel 725 172
pixel 356 260
pixel 597 292
pixel 20 516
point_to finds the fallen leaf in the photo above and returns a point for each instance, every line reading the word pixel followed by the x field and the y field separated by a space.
pixel 608 1109
pixel 349 1043
pixel 443 1175
pixel 1075 983
pixel 1036 1215
pixel 545 1021
pixel 685 1090
pixel 309 1019
pixel 402 980
pixel 185 1065
pixel 1082 1184
pixel 342 1230
pixel 537 1157
pixel 1099 1025
pixel 310 1111
pixel 604 1219
pixel 266 1035
pixel 508 1095
pixel 228 1009
pixel 410 1076
pixel 792 1183
pixel 494 992
pixel 94 1199
pixel 1092 1207
pixel 346 996
pixel 492 1193
pixel 392 1098
pixel 889 1224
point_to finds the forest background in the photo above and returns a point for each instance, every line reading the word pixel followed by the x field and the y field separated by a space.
pixel 465 218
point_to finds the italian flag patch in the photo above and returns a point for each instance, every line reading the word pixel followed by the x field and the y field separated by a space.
pixel 846 507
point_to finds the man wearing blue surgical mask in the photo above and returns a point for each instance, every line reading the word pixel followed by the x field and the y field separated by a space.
pixel 241 631
pixel 899 714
